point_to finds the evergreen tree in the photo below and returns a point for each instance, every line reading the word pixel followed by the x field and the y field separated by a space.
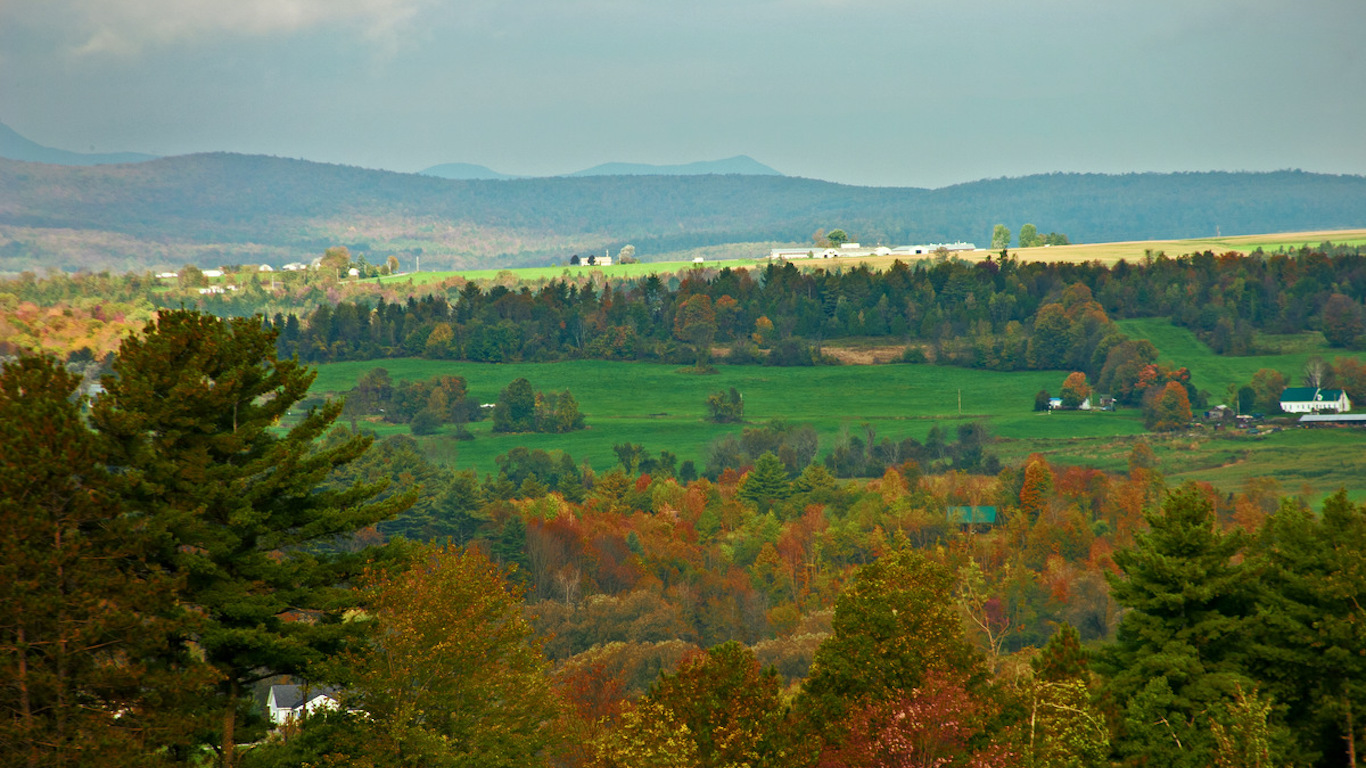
pixel 767 483
pixel 1308 641
pixel 1178 650
pixel 237 509
pixel 82 613
pixel 1063 657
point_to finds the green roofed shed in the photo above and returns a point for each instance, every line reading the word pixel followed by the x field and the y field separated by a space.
pixel 972 515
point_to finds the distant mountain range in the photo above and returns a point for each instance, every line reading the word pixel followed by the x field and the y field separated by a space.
pixel 16 147
pixel 740 164
pixel 220 208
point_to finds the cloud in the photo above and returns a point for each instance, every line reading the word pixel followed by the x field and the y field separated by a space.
pixel 128 27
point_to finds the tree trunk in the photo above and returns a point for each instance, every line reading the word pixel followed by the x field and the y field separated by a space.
pixel 25 705
pixel 229 757
pixel 1351 737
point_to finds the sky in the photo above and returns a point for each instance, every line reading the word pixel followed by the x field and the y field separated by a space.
pixel 919 93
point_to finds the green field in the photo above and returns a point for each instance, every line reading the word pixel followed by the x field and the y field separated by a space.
pixel 663 408
pixel 1213 373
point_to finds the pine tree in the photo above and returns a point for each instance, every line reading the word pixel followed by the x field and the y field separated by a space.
pixel 1308 642
pixel 237 509
pixel 767 483
pixel 1178 649
pixel 81 611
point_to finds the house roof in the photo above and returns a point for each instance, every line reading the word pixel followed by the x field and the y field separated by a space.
pixel 1334 418
pixel 972 515
pixel 291 696
pixel 1310 395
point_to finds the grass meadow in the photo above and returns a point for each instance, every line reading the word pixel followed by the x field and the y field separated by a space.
pixel 663 408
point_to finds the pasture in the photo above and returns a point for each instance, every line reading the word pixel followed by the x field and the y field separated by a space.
pixel 662 407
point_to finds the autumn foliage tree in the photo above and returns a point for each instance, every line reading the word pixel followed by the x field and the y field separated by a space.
pixel 1075 390
pixel 1168 409
pixel 451 674
pixel 895 625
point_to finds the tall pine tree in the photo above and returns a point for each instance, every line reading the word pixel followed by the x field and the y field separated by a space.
pixel 237 508
pixel 82 613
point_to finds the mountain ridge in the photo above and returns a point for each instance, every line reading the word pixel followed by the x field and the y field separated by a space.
pixel 14 146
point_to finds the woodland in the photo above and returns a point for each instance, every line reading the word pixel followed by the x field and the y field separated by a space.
pixel 168 550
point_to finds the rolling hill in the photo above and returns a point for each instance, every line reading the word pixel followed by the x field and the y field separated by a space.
pixel 225 208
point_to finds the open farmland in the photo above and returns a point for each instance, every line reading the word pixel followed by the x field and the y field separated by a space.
pixel 756 256
pixel 663 408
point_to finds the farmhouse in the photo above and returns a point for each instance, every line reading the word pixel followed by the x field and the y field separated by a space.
pixel 1314 400
pixel 294 702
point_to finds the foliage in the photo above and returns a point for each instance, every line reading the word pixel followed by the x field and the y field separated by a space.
pixel 521 409
pixel 1168 409
pixel 726 704
pixel 895 624
pixel 1075 390
pixel 1000 237
pixel 766 483
pixel 235 508
pixel 84 616
pixel 1178 649
pixel 451 674
pixel 650 736
pixel 726 407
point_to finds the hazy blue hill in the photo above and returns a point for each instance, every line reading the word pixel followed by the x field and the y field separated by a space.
pixel 463 171
pixel 16 147
pixel 228 201
pixel 740 164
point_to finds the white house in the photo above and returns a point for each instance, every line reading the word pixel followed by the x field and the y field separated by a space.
pixel 213 273
pixel 294 702
pixel 1314 400
pixel 265 268
pixel 777 254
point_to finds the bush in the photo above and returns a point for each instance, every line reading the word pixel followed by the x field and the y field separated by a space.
pixel 726 407
pixel 425 423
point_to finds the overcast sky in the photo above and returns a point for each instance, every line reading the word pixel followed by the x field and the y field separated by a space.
pixel 919 93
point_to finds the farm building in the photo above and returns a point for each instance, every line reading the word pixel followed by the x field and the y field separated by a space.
pixel 971 516
pixel 1314 400
pixel 1333 420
